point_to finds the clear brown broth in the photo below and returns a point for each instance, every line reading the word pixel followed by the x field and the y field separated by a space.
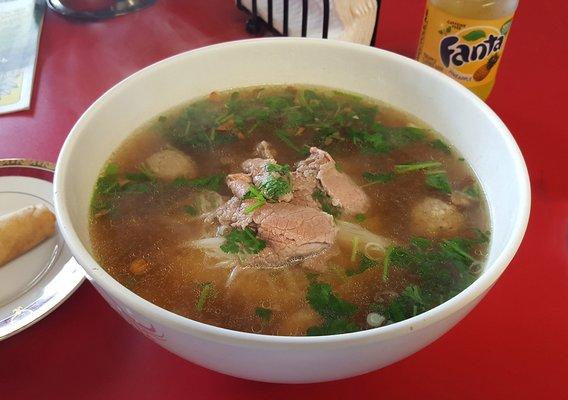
pixel 153 226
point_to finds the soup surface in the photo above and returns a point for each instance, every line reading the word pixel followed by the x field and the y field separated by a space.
pixel 289 211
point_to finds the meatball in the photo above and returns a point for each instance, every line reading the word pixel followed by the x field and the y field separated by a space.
pixel 169 164
pixel 461 199
pixel 435 218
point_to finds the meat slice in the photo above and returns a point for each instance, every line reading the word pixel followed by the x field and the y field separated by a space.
pixel 257 168
pixel 316 161
pixel 292 232
pixel 303 188
pixel 344 193
pixel 265 150
pixel 232 214
pixel 169 164
pixel 239 184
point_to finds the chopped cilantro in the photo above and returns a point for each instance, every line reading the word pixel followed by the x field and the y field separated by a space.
pixel 273 188
pixel 373 178
pixel 322 299
pixel 333 327
pixel 263 313
pixel 282 169
pixel 191 210
pixel 108 187
pixel 482 237
pixel 360 217
pixel 413 293
pixel 406 305
pixel 325 201
pixel 256 194
pixel 135 187
pixel 441 145
pixel 212 182
pixel 108 181
pixel 364 264
pixel 242 241
pixel 196 127
pixel 439 180
pixel 472 191
pixel 444 269
pixel 400 136
pixel 457 250
pixel 420 242
pixel 284 137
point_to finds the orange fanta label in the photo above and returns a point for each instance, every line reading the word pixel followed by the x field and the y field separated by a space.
pixel 468 50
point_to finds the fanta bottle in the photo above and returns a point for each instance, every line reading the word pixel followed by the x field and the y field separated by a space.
pixel 465 39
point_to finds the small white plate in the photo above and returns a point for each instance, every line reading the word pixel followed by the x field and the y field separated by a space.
pixel 34 284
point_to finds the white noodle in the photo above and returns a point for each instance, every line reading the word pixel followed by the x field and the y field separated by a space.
pixel 374 251
pixel 348 232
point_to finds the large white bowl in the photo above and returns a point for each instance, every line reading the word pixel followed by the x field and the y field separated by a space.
pixel 445 105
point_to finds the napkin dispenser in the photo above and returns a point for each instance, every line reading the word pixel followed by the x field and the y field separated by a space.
pixel 350 20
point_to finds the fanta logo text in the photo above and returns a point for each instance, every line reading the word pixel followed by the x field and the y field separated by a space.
pixel 458 54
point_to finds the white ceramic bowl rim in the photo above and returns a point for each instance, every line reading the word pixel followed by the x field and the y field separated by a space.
pixel 489 276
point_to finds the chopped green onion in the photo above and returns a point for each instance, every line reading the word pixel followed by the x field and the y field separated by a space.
pixel 354 248
pixel 206 289
pixel 403 168
pixel 360 217
pixel 386 262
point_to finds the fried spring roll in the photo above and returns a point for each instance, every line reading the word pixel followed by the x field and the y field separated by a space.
pixel 24 229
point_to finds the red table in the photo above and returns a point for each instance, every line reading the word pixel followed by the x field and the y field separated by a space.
pixel 513 345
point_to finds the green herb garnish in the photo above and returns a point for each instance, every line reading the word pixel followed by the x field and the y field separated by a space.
pixel 439 180
pixel 263 313
pixel 242 241
pixel 204 293
pixel 413 293
pixel 108 181
pixel 360 217
pixel 442 146
pixel 417 166
pixel 191 210
pixel 373 178
pixel 444 269
pixel 472 191
pixel 364 264
pixel 387 262
pixel 282 169
pixel 284 137
pixel 334 310
pixel 273 188
pixel 333 327
pixel 212 182
pixel 325 201
pixel 322 299
pixel 256 194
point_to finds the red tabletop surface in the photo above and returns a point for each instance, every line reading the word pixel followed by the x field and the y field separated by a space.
pixel 513 345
